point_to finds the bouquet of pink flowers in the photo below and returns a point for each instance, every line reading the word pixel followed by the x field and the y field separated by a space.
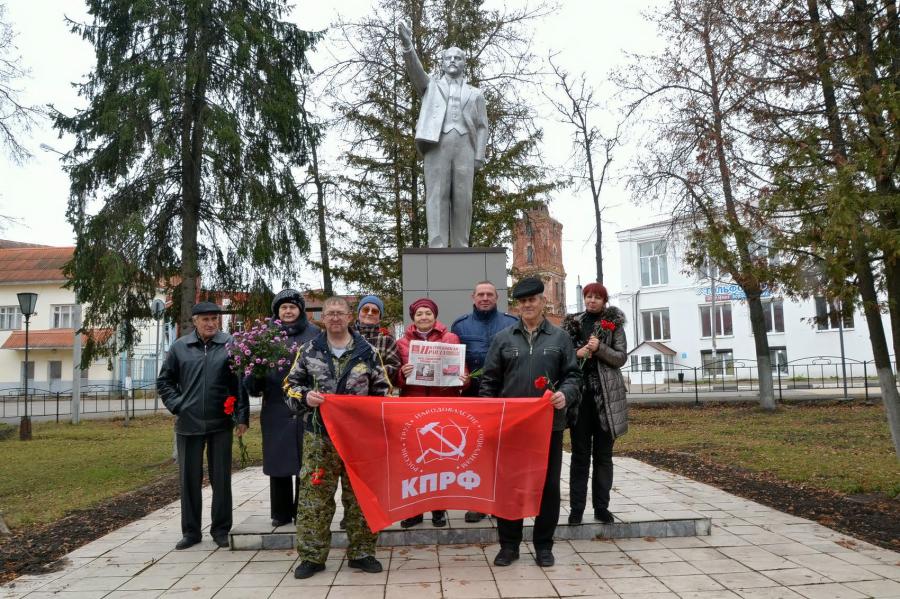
pixel 261 349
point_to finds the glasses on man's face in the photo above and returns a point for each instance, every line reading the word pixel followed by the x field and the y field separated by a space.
pixel 370 310
pixel 332 315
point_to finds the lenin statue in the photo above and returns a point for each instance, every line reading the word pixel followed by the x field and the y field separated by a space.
pixel 451 135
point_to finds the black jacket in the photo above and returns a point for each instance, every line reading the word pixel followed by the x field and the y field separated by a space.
pixel 603 383
pixel 513 364
pixel 194 383
pixel 281 432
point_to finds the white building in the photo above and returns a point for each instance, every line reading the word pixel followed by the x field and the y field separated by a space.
pixel 51 337
pixel 670 312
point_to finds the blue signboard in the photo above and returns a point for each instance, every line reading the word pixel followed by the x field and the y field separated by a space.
pixel 730 291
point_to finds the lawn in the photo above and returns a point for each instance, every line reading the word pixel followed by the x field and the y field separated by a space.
pixel 836 446
pixel 68 466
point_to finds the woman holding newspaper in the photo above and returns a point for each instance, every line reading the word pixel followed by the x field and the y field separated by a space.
pixel 422 376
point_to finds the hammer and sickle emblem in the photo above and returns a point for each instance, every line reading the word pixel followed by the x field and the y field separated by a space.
pixel 454 450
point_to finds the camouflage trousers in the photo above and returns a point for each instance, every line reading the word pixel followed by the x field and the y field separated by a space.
pixel 316 506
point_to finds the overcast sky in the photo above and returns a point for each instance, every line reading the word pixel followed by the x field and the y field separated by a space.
pixel 590 36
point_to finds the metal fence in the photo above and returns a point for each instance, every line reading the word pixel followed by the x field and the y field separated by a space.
pixel 732 374
pixel 110 400
pixel 722 375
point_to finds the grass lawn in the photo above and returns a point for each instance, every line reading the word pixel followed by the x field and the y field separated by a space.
pixel 842 447
pixel 68 467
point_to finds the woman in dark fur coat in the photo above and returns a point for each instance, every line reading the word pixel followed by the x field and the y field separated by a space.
pixel 598 335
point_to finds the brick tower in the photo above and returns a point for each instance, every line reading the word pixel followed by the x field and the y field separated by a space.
pixel 537 251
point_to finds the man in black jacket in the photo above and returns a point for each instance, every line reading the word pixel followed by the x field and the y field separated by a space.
pixel 194 383
pixel 518 357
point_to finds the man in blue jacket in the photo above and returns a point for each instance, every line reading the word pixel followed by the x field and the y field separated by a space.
pixel 194 383
pixel 476 330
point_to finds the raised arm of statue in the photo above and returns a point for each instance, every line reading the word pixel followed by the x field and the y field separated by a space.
pixel 414 68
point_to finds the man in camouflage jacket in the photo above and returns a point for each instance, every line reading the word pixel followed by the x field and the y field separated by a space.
pixel 338 361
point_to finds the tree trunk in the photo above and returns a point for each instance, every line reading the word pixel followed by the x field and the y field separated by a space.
pixel 323 232
pixel 192 130
pixel 746 278
pixel 867 81
pixel 319 184
pixel 190 200
pixel 863 268
pixel 886 380
pixel 598 246
pixel 892 283
pixel 763 357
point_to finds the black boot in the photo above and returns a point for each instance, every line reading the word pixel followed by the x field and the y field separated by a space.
pixel 410 522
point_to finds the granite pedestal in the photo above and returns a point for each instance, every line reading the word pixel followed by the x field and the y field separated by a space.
pixel 448 276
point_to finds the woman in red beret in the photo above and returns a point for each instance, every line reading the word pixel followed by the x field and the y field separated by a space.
pixel 425 327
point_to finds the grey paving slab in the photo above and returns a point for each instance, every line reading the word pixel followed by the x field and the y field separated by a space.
pixel 751 552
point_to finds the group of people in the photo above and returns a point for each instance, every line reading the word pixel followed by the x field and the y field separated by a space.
pixel 353 354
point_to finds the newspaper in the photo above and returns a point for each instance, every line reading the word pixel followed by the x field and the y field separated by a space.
pixel 436 364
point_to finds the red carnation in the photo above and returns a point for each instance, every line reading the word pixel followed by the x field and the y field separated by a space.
pixel 606 324
pixel 229 404
pixel 541 383
pixel 315 477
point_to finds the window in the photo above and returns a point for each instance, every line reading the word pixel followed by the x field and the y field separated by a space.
pixel 63 317
pixel 529 255
pixel 710 270
pixel 54 370
pixel 773 311
pixel 653 263
pixel 10 318
pixel 827 314
pixel 722 364
pixel 778 357
pixel 29 367
pixel 656 325
pixel 661 362
pixel 723 320
pixel 656 362
pixel 764 253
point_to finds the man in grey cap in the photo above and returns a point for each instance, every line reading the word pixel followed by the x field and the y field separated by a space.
pixel 194 384
pixel 517 357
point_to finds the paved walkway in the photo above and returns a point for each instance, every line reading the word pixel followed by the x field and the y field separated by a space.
pixel 753 552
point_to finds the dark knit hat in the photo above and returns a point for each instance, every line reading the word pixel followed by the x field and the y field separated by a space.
pixel 595 289
pixel 206 308
pixel 370 299
pixel 527 287
pixel 288 296
pixel 423 302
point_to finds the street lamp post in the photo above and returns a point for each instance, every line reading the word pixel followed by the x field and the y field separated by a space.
pixel 157 309
pixel 27 303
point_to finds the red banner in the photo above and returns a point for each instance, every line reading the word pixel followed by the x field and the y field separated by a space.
pixel 408 455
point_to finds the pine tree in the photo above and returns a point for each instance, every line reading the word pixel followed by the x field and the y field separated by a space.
pixel 183 155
